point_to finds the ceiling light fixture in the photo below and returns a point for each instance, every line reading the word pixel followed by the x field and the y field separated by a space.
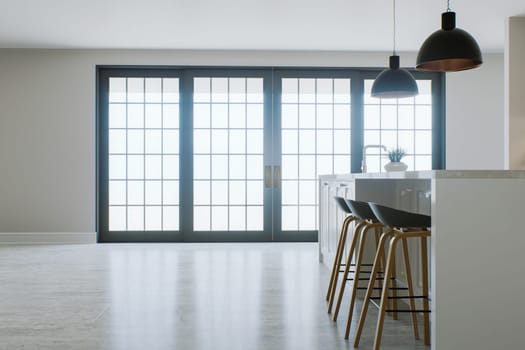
pixel 449 49
pixel 394 82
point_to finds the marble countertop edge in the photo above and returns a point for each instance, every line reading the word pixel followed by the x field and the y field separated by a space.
pixel 432 174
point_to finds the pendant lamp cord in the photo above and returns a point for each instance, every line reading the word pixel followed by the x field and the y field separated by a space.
pixel 394 22
pixel 448 6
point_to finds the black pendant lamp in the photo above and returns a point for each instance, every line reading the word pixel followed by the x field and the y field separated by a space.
pixel 449 49
pixel 394 82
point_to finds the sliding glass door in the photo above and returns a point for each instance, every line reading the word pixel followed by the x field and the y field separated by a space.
pixel 314 137
pixel 230 128
pixel 139 176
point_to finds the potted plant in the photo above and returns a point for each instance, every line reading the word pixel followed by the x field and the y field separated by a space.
pixel 395 155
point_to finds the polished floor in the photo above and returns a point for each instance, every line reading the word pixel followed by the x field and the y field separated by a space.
pixel 174 296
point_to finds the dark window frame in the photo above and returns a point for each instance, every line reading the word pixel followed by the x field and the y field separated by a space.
pixel 185 74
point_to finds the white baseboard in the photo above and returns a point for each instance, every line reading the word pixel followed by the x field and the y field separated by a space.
pixel 48 237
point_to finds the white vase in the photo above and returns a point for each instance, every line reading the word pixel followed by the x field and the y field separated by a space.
pixel 396 166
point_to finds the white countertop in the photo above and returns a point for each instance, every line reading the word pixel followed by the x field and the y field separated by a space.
pixel 432 174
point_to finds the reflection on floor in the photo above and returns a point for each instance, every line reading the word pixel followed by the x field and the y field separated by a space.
pixel 174 296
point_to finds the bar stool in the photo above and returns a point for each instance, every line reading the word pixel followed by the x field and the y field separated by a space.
pixel 371 225
pixel 336 267
pixel 401 225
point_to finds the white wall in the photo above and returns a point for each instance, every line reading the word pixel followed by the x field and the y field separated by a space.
pixel 514 96
pixel 47 123
pixel 475 116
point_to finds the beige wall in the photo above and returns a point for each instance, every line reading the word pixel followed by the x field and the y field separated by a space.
pixel 47 123
pixel 514 93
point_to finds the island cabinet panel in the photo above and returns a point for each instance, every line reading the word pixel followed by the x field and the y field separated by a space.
pixel 331 217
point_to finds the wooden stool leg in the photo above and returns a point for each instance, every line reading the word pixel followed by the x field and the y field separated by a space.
pixel 359 260
pixel 384 292
pixel 379 256
pixel 340 244
pixel 410 287
pixel 347 270
pixel 393 280
pixel 350 253
pixel 424 273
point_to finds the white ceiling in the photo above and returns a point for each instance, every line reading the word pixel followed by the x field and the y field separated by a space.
pixel 349 25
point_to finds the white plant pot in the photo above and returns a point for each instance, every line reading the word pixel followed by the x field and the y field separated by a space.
pixel 396 166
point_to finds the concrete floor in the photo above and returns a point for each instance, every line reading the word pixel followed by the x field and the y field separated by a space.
pixel 174 296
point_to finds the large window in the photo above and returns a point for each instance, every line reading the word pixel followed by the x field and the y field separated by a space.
pixel 228 154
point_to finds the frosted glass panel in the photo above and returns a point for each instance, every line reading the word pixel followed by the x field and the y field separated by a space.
pixel 219 193
pixel 117 90
pixel 135 141
pixel 117 218
pixel 135 90
pixel 153 192
pixel 254 116
pixel 170 115
pixel 219 218
pixel 170 141
pixel 201 90
pixel 153 141
pixel 135 192
pixel 170 90
pixel 135 167
pixel 254 192
pixel 117 167
pixel 254 87
pixel 135 116
pixel 153 219
pixel 135 219
pixel 237 218
pixel 219 90
pixel 153 90
pixel 153 167
pixel 170 192
pixel 117 116
pixel 255 218
pixel 307 215
pixel 237 141
pixel 307 192
pixel 237 90
pixel 290 89
pixel 202 192
pixel 170 218
pixel 201 218
pixel 117 192
pixel 290 218
pixel 254 141
pixel 290 192
pixel 117 141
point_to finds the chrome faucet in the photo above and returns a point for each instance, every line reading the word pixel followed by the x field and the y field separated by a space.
pixel 363 162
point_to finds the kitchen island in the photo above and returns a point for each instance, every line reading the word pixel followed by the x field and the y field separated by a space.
pixel 476 247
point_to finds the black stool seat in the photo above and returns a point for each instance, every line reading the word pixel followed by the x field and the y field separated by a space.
pixel 361 210
pixel 341 203
pixel 399 218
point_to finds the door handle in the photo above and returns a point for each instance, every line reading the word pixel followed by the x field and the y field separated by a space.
pixel 267 176
pixel 277 176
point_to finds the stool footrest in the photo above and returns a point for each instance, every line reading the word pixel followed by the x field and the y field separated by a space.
pixel 424 311
pixel 404 297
